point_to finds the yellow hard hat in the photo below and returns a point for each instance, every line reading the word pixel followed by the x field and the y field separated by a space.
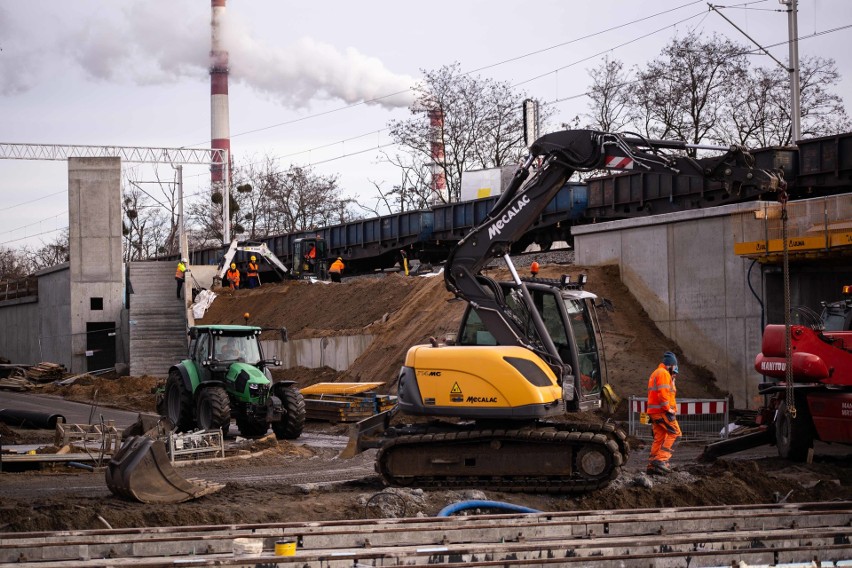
pixel 339 258
pixel 253 257
pixel 233 265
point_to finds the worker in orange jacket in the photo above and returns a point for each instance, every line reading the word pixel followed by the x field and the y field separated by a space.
pixel 336 269
pixel 662 410
pixel 252 273
pixel 233 276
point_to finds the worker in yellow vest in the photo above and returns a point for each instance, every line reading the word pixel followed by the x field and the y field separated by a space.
pixel 180 275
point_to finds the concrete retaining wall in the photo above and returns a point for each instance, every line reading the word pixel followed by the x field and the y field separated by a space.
pixel 682 269
pixel 338 352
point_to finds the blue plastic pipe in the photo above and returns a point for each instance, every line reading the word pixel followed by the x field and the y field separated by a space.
pixel 476 504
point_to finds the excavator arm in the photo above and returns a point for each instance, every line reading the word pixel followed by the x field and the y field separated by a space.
pixel 557 156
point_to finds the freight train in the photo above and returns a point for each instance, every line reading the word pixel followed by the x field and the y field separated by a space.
pixel 817 166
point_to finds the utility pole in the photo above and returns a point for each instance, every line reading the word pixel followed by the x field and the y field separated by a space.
pixel 793 64
pixel 795 90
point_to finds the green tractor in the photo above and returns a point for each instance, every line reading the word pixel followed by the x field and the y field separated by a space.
pixel 227 377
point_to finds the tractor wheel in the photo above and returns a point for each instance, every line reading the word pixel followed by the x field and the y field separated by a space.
pixel 794 436
pixel 177 403
pixel 250 428
pixel 214 409
pixel 291 424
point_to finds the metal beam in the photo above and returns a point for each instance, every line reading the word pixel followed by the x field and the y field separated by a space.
pixel 13 151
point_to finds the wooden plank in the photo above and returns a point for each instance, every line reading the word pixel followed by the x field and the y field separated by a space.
pixel 339 388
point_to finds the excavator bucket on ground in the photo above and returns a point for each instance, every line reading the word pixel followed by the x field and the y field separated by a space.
pixel 141 471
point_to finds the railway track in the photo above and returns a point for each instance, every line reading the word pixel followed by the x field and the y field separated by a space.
pixel 765 535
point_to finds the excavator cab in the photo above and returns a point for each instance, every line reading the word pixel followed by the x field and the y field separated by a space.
pixel 569 315
pixel 310 258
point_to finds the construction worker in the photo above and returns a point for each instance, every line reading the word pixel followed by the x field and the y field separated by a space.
pixel 662 410
pixel 233 276
pixel 252 274
pixel 336 269
pixel 311 258
pixel 534 268
pixel 180 274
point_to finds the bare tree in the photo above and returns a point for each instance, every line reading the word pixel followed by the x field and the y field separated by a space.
pixel 704 90
pixel 13 265
pixel 49 254
pixel 266 200
pixel 480 125
pixel 682 93
pixel 144 226
pixel 610 109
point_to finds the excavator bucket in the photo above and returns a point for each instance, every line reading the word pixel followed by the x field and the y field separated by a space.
pixel 141 471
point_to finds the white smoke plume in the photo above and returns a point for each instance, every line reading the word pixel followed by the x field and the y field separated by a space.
pixel 149 43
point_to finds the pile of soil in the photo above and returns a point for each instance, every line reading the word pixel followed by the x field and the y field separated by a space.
pixel 403 311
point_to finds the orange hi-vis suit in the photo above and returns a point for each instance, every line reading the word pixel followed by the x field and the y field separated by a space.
pixel 252 270
pixel 662 409
pixel 233 276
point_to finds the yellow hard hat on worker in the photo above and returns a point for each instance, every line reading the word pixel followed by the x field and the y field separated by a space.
pixel 253 257
pixel 233 265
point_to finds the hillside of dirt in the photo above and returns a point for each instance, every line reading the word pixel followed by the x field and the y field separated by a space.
pixel 403 311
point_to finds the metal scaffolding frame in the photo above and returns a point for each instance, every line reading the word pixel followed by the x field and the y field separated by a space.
pixel 137 154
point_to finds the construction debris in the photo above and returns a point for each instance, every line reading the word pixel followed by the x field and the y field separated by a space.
pixel 14 378
pixel 196 445
pixel 344 402
pixel 46 372
pixel 105 437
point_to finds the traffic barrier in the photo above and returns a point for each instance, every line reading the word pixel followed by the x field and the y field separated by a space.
pixel 699 419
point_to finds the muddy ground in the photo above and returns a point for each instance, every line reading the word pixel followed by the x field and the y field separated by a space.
pixel 275 482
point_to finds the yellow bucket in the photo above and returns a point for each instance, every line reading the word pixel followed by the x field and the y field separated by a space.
pixel 285 547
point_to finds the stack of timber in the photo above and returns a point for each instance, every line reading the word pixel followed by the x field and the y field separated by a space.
pixel 344 402
pixel 14 378
pixel 46 372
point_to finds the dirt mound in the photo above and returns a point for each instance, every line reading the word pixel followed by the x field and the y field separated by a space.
pixel 404 311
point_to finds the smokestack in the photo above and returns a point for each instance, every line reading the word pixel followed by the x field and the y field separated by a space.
pixel 439 180
pixel 220 131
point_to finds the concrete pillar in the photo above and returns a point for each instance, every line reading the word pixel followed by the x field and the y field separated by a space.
pixel 94 215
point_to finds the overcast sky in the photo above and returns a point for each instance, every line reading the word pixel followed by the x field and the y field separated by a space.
pixel 304 76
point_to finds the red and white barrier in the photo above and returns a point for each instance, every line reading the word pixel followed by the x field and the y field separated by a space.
pixel 688 407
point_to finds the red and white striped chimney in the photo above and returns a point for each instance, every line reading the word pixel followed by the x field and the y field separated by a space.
pixel 220 132
pixel 439 180
pixel 219 124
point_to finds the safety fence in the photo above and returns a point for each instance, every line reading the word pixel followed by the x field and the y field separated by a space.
pixel 699 419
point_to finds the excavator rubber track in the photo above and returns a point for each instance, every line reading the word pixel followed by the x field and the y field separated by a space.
pixel 142 471
pixel 545 458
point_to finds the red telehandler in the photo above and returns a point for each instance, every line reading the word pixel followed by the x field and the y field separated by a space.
pixel 810 395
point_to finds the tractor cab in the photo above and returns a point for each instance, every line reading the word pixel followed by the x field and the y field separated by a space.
pixel 310 257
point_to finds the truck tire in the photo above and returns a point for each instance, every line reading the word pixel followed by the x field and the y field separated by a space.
pixel 177 403
pixel 293 421
pixel 250 428
pixel 214 409
pixel 794 436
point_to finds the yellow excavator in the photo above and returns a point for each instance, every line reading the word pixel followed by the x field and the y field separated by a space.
pixel 491 409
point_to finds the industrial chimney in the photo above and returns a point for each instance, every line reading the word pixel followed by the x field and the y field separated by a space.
pixel 439 180
pixel 220 131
